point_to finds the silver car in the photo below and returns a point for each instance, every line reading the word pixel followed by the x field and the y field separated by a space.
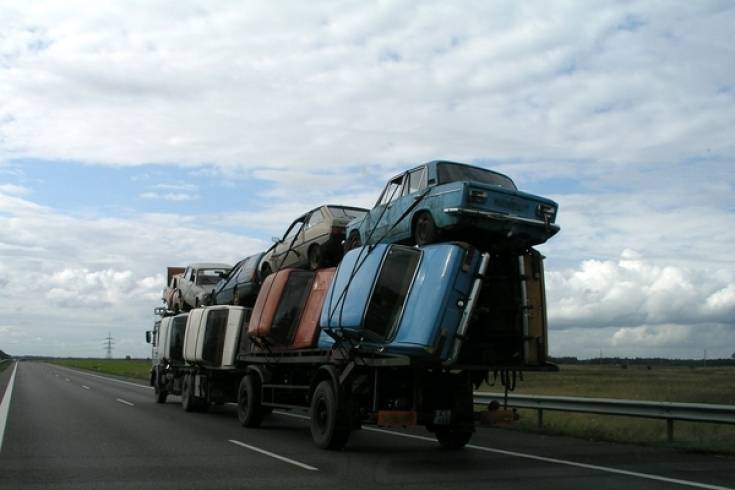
pixel 197 283
pixel 312 241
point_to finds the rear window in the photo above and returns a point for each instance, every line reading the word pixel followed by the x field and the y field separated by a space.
pixel 290 307
pixel 450 172
pixel 209 277
pixel 391 290
pixel 350 213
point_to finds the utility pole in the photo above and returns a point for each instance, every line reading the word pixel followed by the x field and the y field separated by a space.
pixel 108 343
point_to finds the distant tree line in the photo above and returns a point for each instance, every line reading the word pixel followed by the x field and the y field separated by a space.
pixel 3 355
pixel 643 361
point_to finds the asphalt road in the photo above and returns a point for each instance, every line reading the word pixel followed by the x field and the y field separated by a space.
pixel 72 429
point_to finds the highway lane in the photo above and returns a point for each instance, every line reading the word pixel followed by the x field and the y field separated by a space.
pixel 72 429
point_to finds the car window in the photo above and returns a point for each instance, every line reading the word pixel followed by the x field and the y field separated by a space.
pixel 293 230
pixel 208 277
pixel 391 290
pixel 350 213
pixel 451 172
pixel 315 218
pixel 246 270
pixel 415 181
pixel 392 191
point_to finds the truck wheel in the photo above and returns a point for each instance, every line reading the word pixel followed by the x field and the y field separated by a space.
pixel 249 410
pixel 315 257
pixel 424 230
pixel 159 393
pixel 325 419
pixel 187 394
pixel 452 439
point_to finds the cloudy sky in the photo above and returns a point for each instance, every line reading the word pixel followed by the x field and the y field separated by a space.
pixel 136 135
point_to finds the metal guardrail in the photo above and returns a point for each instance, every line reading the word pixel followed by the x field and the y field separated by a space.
pixel 668 411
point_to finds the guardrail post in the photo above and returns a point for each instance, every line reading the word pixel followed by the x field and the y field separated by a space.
pixel 670 430
pixel 540 418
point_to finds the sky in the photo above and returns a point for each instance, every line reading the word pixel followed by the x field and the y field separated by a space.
pixel 139 135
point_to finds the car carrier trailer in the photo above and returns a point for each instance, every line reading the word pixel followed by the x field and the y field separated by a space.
pixel 397 336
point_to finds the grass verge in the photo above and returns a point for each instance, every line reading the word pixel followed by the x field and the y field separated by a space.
pixel 672 384
pixel 129 368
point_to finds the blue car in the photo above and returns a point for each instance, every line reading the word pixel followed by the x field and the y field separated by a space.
pixel 241 285
pixel 446 304
pixel 442 201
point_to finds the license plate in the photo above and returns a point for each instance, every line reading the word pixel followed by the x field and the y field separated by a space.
pixel 442 417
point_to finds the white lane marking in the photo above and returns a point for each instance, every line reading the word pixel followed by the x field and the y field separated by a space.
pixel 125 402
pixel 85 387
pixel 605 469
pixel 274 455
pixel 5 405
pixel 112 379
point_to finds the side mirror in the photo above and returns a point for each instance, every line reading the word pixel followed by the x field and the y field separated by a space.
pixel 148 336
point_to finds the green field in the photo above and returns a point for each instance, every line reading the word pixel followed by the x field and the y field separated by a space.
pixel 5 365
pixel 130 368
pixel 671 384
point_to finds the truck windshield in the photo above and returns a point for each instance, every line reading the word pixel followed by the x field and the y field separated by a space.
pixel 450 172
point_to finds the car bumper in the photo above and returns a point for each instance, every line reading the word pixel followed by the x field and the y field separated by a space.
pixel 535 230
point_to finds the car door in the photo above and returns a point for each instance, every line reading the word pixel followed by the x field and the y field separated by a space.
pixel 377 222
pixel 414 183
pixel 283 253
pixel 224 296
pixel 315 231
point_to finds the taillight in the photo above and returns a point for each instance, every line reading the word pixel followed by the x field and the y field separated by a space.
pixel 545 212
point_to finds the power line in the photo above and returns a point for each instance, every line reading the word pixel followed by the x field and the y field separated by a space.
pixel 108 343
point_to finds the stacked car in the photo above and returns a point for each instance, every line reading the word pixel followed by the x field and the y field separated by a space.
pixel 439 287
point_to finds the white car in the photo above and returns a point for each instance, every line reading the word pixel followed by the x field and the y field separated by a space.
pixel 197 283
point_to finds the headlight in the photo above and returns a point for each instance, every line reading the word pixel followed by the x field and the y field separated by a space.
pixel 477 195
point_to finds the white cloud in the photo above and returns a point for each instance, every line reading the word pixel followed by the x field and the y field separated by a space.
pixel 634 292
pixel 396 82
pixel 14 190
pixel 168 196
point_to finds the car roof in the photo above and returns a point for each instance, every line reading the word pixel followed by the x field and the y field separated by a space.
pixel 435 162
pixel 210 265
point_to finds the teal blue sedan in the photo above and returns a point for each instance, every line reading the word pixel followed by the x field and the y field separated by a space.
pixel 445 201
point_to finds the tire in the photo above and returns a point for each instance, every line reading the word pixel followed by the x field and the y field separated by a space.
pixel 187 394
pixel 452 439
pixel 424 230
pixel 315 257
pixel 353 241
pixel 249 410
pixel 326 431
pixel 159 394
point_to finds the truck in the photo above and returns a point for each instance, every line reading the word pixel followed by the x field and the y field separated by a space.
pixel 395 336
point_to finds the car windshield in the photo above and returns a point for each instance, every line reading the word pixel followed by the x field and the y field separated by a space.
pixel 350 213
pixel 451 172
pixel 208 277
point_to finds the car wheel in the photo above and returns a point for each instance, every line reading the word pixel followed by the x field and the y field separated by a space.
pixel 424 230
pixel 353 241
pixel 325 424
pixel 453 439
pixel 315 257
pixel 265 271
pixel 249 410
